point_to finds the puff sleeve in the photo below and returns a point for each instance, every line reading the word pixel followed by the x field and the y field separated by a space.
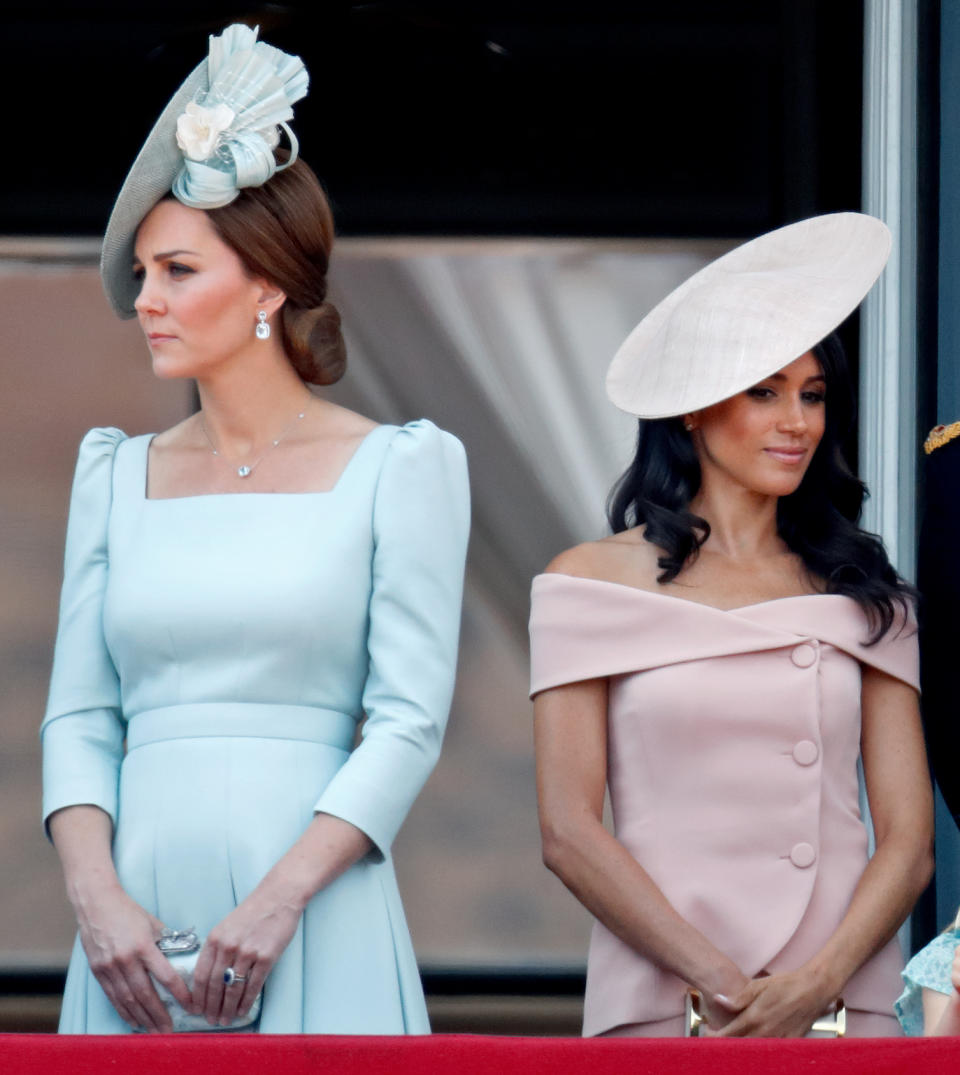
pixel 82 732
pixel 421 519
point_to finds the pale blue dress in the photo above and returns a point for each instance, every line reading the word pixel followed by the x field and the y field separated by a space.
pixel 215 657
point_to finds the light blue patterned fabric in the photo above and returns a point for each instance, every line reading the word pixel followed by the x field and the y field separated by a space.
pixel 237 642
pixel 929 969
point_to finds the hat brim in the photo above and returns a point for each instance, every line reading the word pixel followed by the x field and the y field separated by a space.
pixel 149 179
pixel 748 314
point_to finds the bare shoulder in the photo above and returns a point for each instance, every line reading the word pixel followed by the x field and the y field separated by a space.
pixel 581 561
pixel 626 558
pixel 182 435
pixel 338 422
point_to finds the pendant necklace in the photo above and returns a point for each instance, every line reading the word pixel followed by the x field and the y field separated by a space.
pixel 246 469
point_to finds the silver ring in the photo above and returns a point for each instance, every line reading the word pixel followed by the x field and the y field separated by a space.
pixel 230 977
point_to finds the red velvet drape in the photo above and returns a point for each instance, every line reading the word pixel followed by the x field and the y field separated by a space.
pixel 460 1054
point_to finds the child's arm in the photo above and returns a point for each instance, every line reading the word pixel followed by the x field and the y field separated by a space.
pixel 941 1011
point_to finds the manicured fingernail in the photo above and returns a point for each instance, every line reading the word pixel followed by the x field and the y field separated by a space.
pixel 723 999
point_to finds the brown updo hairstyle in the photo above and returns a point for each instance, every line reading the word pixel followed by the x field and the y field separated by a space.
pixel 283 231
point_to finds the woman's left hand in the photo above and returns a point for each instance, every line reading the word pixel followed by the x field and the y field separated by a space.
pixel 249 940
pixel 255 934
pixel 775 1006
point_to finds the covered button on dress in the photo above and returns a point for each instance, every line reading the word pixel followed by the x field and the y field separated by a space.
pixel 734 738
pixel 216 656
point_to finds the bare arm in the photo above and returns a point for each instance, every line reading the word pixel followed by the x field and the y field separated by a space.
pixel 117 934
pixel 901 806
pixel 570 725
pixel 941 1014
pixel 254 935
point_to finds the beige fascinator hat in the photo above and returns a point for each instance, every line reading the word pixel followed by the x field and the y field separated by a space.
pixel 748 314
pixel 216 136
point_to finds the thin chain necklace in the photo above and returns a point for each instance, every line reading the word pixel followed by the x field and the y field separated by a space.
pixel 246 469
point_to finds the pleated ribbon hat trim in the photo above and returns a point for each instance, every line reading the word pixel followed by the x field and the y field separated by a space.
pixel 216 135
pixel 748 314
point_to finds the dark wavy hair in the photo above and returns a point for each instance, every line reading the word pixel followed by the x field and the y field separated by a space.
pixel 818 521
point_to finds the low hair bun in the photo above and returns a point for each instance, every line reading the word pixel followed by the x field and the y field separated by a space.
pixel 314 343
pixel 282 232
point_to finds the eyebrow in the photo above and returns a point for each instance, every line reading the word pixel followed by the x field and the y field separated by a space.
pixel 783 377
pixel 168 254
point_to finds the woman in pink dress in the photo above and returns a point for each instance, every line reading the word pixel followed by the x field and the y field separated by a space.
pixel 722 663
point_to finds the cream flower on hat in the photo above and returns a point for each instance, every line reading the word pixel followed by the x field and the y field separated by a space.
pixel 199 128
pixel 216 136
pixel 233 128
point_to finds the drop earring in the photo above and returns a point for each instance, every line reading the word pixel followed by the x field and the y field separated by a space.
pixel 263 329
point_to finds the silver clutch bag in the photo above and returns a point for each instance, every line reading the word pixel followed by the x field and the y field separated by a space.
pixel 181 947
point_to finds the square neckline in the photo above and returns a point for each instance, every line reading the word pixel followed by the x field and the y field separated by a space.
pixel 255 493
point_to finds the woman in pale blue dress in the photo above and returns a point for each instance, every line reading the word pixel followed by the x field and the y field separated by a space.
pixel 260 610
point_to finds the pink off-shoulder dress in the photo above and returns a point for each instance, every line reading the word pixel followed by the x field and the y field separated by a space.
pixel 734 738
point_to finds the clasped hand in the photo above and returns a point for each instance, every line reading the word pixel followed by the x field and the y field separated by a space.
pixel 119 938
pixel 774 1006
pixel 249 941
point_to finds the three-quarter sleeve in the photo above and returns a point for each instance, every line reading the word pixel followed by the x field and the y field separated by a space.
pixel 82 732
pixel 421 519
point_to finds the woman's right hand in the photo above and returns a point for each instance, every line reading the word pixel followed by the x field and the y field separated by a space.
pixel 117 934
pixel 119 938
pixel 716 1014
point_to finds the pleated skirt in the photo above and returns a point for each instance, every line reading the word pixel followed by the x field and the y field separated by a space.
pixel 201 821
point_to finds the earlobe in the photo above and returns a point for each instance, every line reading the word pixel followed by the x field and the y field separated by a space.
pixel 271 298
pixel 689 423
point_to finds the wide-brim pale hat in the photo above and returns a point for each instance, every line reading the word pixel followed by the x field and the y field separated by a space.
pixel 748 314
pixel 257 85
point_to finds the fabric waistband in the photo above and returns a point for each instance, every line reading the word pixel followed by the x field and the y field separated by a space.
pixel 202 720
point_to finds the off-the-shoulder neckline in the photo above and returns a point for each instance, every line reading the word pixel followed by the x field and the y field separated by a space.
pixel 367 437
pixel 687 600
